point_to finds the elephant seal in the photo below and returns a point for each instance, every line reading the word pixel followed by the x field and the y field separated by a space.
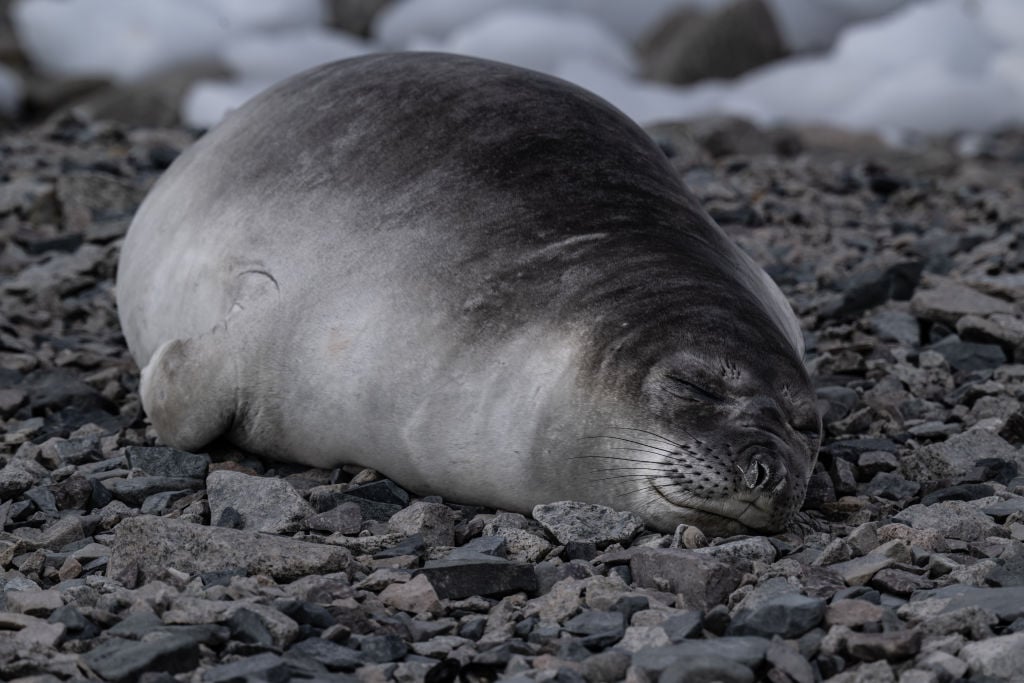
pixel 481 281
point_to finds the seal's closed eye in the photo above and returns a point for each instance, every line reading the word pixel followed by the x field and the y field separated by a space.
pixel 688 390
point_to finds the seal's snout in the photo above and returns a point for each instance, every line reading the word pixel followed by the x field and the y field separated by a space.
pixel 765 473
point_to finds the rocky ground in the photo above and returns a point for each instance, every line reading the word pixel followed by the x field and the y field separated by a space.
pixel 122 560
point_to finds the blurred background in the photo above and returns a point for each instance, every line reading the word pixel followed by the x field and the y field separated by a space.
pixel 897 68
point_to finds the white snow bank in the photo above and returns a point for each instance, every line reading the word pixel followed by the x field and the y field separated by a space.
pixel 403 22
pixel 273 56
pixel 258 60
pixel 128 39
pixel 537 39
pixel 208 101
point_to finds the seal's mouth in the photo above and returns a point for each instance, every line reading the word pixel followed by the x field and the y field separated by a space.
pixel 739 514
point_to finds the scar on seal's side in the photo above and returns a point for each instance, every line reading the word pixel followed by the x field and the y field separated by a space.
pixel 483 282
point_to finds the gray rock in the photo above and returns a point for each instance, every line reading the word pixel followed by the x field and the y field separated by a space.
pixel 871 463
pixel 873 672
pixel 602 628
pixel 959 455
pixel 333 656
pixel 15 480
pixel 493 546
pixel 1007 602
pixel 946 301
pixel 682 626
pixel 858 571
pixel 38 603
pixel 700 580
pixel 151 544
pixel 345 518
pixel 570 521
pixel 71 451
pixel 789 615
pixel 998 327
pixel 895 326
pixel 965 356
pixel 892 487
pixel 136 490
pixel 707 668
pixel 456 579
pixel 746 650
pixel 121 661
pixel 433 521
pixel 167 462
pixel 952 519
pixel 789 660
pixel 381 491
pixel 382 648
pixel 262 667
pixel 753 549
pixel 891 645
pixel 265 504
pixel 416 596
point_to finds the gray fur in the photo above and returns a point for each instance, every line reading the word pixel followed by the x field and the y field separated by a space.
pixel 484 282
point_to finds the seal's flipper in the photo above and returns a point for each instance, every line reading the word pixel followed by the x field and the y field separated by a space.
pixel 188 390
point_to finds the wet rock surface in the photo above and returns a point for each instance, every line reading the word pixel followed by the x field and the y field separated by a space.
pixel 123 560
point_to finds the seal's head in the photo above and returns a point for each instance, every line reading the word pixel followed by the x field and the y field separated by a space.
pixel 725 437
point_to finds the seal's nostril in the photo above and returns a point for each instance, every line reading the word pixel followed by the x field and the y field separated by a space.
pixel 757 473
pixel 764 472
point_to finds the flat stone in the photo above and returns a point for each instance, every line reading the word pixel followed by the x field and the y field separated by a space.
pixel 890 645
pixel 753 549
pixel 262 667
pixel 707 668
pixel 134 491
pixel 521 545
pixel 382 491
pixel 71 451
pixel 416 596
pixel 493 546
pixel 953 519
pixel 597 623
pixel 38 603
pixel 151 544
pixel 964 356
pixel 265 504
pixel 333 656
pixel 573 521
pixel 382 648
pixel 959 455
pixel 789 615
pixel 345 519
pixel 121 661
pixel 433 521
pixel 855 613
pixel 858 571
pixel 870 672
pixel 946 301
pixel 746 650
pixel 1001 658
pixel 457 579
pixel 1007 602
pixel 700 581
pixel 161 461
pixel 899 582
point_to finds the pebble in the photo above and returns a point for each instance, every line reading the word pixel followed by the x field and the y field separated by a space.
pixel 147 545
pixel 264 504
pixel 570 521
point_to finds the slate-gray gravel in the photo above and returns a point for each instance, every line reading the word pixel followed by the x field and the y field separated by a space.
pixel 124 560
